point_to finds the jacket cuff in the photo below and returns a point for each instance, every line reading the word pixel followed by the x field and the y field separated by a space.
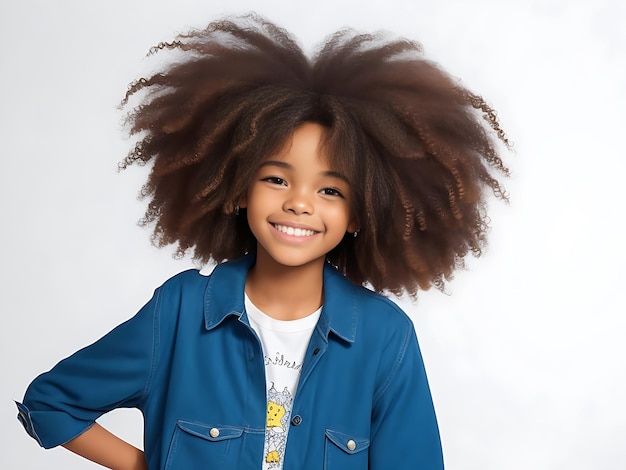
pixel 50 428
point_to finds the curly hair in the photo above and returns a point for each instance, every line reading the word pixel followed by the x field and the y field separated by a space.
pixel 420 151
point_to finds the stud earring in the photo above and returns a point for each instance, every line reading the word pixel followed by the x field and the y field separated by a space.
pixel 356 232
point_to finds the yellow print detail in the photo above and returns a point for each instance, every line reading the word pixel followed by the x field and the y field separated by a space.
pixel 275 413
pixel 272 457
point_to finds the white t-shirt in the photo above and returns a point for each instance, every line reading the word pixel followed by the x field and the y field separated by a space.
pixel 284 346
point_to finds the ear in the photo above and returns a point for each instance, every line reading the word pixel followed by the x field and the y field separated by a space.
pixel 243 201
pixel 353 226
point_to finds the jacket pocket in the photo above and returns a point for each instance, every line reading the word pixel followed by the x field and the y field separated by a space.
pixel 198 445
pixel 342 451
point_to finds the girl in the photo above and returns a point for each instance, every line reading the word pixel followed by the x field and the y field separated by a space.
pixel 366 165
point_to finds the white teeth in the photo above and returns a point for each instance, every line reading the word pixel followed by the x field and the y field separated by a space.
pixel 296 232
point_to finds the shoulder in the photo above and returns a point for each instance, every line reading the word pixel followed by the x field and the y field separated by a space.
pixel 180 295
pixel 187 282
pixel 377 304
pixel 192 294
pixel 385 337
pixel 363 315
pixel 376 310
pixel 187 278
pixel 381 318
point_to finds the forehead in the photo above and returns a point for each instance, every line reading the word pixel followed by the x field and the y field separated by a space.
pixel 305 145
pixel 334 146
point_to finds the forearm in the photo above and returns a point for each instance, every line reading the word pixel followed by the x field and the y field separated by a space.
pixel 104 448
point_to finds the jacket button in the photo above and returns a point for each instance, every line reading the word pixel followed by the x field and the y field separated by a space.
pixel 351 445
pixel 214 432
pixel 296 420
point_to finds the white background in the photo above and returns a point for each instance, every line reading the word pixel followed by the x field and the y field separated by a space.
pixel 526 357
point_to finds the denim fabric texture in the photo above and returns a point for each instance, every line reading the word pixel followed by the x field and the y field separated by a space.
pixel 191 363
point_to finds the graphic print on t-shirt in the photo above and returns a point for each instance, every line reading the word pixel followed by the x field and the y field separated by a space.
pixel 278 413
pixel 284 343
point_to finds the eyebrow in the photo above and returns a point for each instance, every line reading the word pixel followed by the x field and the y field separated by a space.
pixel 287 166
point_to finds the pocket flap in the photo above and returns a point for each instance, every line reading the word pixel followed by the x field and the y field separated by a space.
pixel 350 444
pixel 209 432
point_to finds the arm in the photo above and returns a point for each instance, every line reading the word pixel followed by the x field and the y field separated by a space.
pixel 404 427
pixel 104 448
pixel 111 373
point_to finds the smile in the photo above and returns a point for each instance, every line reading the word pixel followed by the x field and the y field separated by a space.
pixel 294 232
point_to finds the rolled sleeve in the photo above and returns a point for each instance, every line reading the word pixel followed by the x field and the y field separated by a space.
pixel 113 372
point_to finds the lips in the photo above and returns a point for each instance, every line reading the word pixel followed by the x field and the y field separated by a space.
pixel 294 231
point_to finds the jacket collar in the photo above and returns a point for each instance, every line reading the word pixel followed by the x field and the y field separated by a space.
pixel 224 296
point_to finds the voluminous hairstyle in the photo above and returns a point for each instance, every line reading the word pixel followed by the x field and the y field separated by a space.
pixel 419 150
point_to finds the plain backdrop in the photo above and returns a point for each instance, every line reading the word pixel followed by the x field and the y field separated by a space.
pixel 525 351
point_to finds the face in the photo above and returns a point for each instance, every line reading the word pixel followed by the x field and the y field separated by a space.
pixel 298 207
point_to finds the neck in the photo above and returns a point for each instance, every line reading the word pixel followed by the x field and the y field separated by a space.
pixel 285 292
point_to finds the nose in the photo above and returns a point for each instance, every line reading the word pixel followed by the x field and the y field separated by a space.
pixel 298 203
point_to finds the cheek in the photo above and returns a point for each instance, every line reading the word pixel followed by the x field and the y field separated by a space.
pixel 340 216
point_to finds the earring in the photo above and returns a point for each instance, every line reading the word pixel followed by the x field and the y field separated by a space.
pixel 356 232
pixel 237 209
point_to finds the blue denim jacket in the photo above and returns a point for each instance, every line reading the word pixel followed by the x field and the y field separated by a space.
pixel 191 363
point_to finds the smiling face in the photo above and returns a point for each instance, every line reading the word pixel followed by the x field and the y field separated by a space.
pixel 298 207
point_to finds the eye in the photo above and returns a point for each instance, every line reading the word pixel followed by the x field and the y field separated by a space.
pixel 275 180
pixel 332 192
